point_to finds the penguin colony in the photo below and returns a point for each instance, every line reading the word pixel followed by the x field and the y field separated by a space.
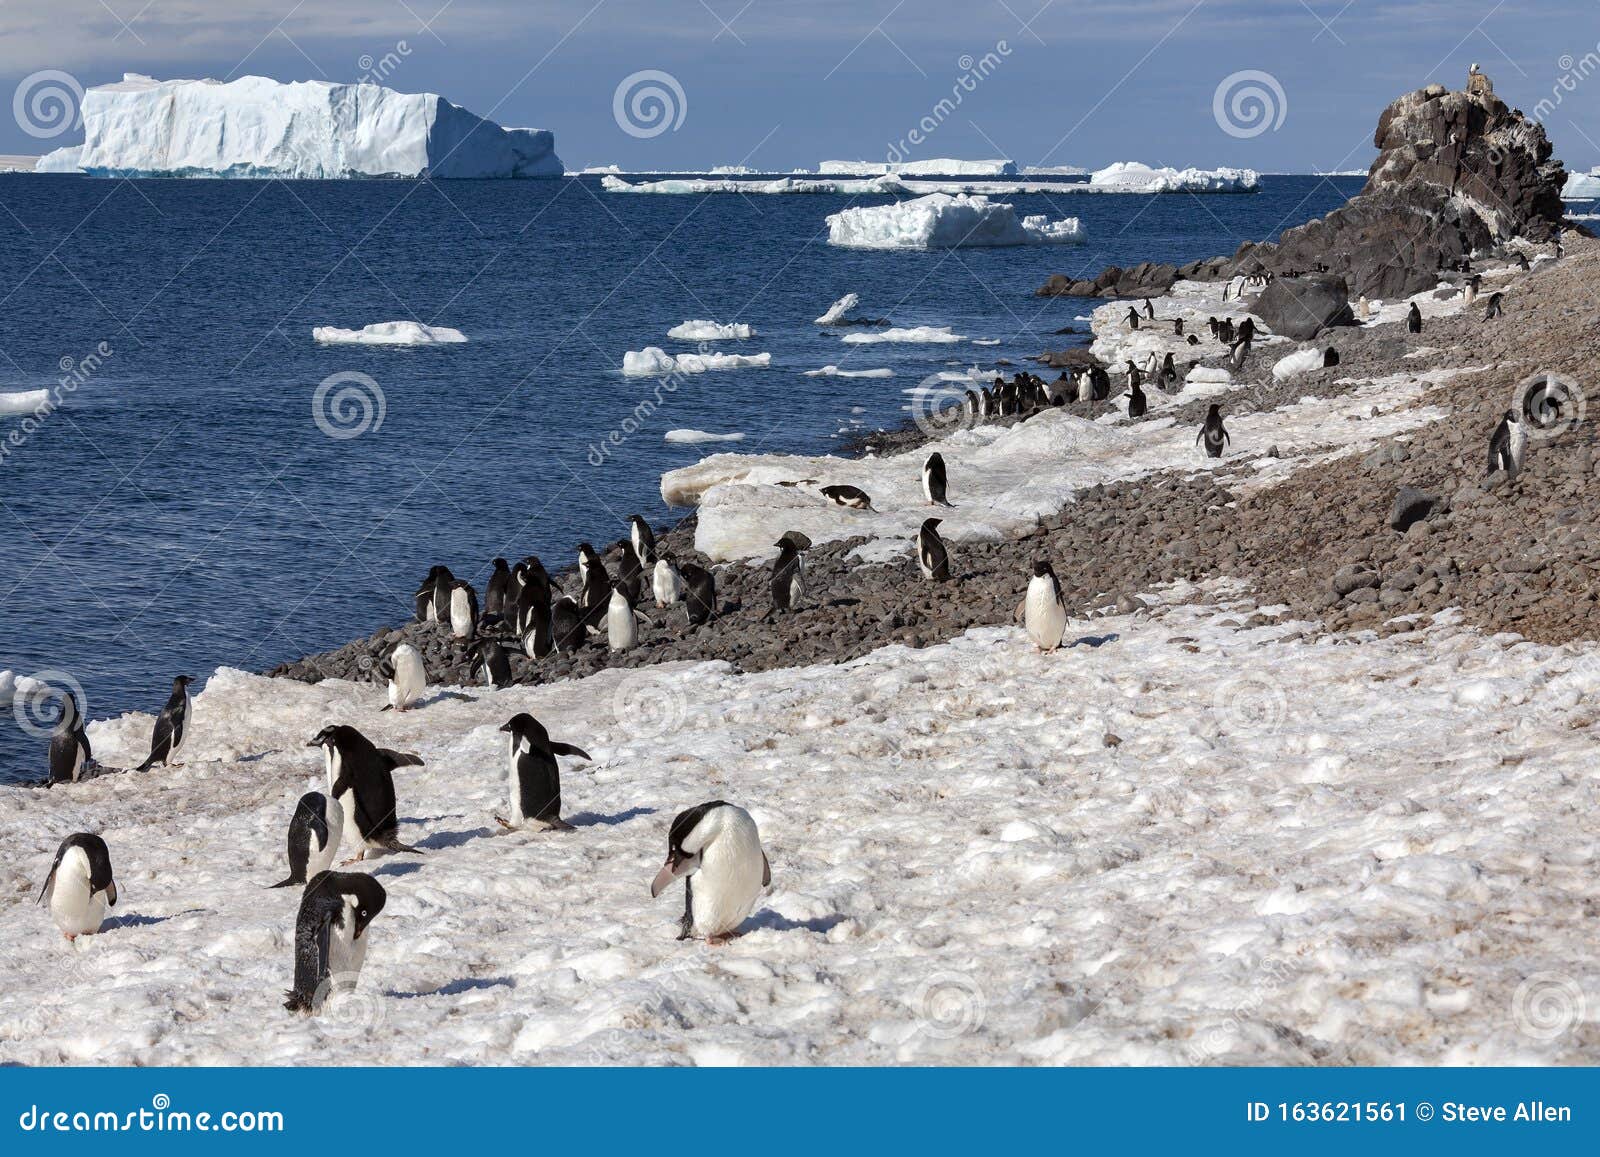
pixel 713 847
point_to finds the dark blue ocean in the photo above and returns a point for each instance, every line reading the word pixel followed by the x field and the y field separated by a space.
pixel 184 510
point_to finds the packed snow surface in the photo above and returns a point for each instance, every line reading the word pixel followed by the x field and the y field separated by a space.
pixel 1136 177
pixel 932 167
pixel 692 436
pixel 942 221
pixel 389 333
pixel 711 331
pixel 23 401
pixel 936 334
pixel 654 361
pixel 257 127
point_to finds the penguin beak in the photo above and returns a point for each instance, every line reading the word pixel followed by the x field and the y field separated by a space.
pixel 111 894
pixel 672 870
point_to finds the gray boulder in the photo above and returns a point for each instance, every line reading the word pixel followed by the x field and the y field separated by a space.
pixel 1300 308
pixel 1410 506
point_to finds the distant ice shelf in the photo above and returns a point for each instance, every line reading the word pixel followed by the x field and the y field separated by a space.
pixel 257 127
pixel 933 167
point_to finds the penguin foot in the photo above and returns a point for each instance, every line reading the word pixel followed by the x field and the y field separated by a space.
pixel 70 937
pixel 510 827
pixel 355 859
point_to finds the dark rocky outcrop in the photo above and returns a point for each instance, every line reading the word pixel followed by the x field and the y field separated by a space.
pixel 1458 173
pixel 1302 307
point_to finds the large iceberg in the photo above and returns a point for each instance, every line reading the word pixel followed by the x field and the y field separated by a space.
pixel 940 221
pixel 257 127
pixel 1582 186
pixel 1133 177
pixel 933 167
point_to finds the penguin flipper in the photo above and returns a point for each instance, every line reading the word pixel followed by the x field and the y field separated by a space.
pixel 766 871
pixel 569 749
pixel 286 883
pixel 401 758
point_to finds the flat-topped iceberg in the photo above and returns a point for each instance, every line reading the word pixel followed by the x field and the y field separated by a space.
pixel 1133 177
pixel 699 186
pixel 652 361
pixel 942 221
pixel 257 127
pixel 701 330
pixel 389 333
pixel 932 167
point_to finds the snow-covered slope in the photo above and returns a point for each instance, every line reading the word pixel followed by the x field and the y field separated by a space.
pixel 257 127
pixel 940 221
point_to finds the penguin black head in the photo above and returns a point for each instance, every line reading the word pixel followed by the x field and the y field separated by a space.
pixel 1042 567
pixel 500 564
pixel 525 726
pixel 330 736
pixel 685 843
pixel 930 523
pixel 366 893
pixel 182 681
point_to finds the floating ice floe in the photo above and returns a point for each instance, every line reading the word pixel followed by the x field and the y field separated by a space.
pixel 836 372
pixel 711 331
pixel 934 334
pixel 1582 186
pixel 931 167
pixel 840 309
pixel 256 127
pixel 1134 177
pixel 692 436
pixel 389 333
pixel 652 361
pixel 697 186
pixel 942 221
pixel 23 401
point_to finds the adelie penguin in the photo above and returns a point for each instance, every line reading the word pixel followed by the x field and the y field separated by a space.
pixel 715 849
pixel 567 626
pixel 443 580
pixel 1136 399
pixel 1413 319
pixel 931 554
pixel 1044 615
pixel 643 539
pixel 699 593
pixel 850 497
pixel 538 637
pixel 1469 294
pixel 361 781
pixel 535 774
pixel 1493 310
pixel 1133 318
pixel 789 573
pixel 622 621
pixel 490 662
pixel 69 743
pixel 497 593
pixel 933 479
pixel 406 676
pixel 1149 310
pixel 330 936
pixel 1213 433
pixel 172 725
pixel 1508 445
pixel 666 584
pixel 1330 358
pixel 594 585
pixel 79 887
pixel 315 830
pixel 463 609
pixel 630 573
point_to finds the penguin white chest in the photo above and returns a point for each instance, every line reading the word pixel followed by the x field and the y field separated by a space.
pixel 1518 444
pixel 1043 614
pixel 728 883
pixel 75 911
pixel 666 584
pixel 346 952
pixel 321 859
pixel 797 581
pixel 343 805
pixel 518 748
pixel 460 615
pixel 621 629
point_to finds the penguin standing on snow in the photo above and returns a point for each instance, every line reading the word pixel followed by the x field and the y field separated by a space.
pixel 643 539
pixel 407 677
pixel 699 593
pixel 788 573
pixel 1413 319
pixel 490 662
pixel 666 583
pixel 172 725
pixel 1213 432
pixel 1149 310
pixel 463 609
pixel 496 593
pixel 361 781
pixel 622 621
pixel 933 480
pixel 850 497
pixel 314 833
pixel 931 554
pixel 1137 402
pixel 1133 318
pixel 1044 615
pixel 330 942
pixel 1508 445
pixel 79 886
pixel 715 849
pixel 1470 293
pixel 1493 311
pixel 69 743
pixel 535 774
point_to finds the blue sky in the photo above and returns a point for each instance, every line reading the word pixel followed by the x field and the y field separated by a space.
pixel 779 85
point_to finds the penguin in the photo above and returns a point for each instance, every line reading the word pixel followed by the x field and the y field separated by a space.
pixel 848 496
pixel 699 593
pixel 933 479
pixel 538 640
pixel 666 584
pixel 424 600
pixel 566 625
pixel 630 573
pixel 407 677
pixel 644 540
pixel 1043 614
pixel 496 594
pixel 1508 445
pixel 443 580
pixel 1169 372
pixel 788 575
pixel 314 833
pixel 1522 260
pixel 1133 318
pixel 1330 358
pixel 491 662
pixel 80 887
pixel 1212 324
pixel 172 725
pixel 361 782
pixel 1136 398
pixel 622 622
pixel 1237 354
pixel 535 775
pixel 330 942
pixel 715 848
pixel 463 609
pixel 589 560
pixel 1149 310
pixel 1213 431
pixel 1493 311
pixel 1247 330
pixel 594 585
pixel 1099 383
pixel 931 554
pixel 1085 386
pixel 69 743
pixel 1414 319
pixel 1225 331
pixel 1177 327
pixel 530 586
pixel 1470 293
